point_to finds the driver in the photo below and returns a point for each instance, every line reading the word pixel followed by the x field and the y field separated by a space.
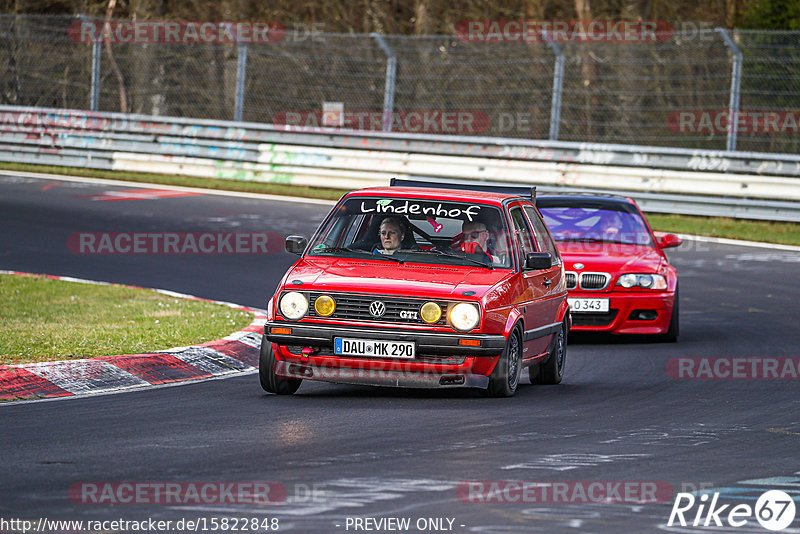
pixel 612 225
pixel 391 234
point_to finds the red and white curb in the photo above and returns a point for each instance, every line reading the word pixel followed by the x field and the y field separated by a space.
pixel 232 355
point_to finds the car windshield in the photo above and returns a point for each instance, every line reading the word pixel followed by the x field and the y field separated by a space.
pixel 416 230
pixel 596 224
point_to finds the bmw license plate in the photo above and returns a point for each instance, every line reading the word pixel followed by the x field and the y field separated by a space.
pixel 588 305
pixel 373 348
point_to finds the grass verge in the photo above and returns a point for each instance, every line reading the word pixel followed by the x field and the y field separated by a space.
pixel 749 230
pixel 44 320
pixel 784 233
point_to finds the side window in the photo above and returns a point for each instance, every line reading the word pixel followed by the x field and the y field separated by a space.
pixel 546 243
pixel 522 234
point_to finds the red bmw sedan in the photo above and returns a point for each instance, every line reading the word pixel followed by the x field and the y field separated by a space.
pixel 618 278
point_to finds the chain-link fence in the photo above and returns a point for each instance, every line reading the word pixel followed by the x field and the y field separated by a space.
pixel 677 91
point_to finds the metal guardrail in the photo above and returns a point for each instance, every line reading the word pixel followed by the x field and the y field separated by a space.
pixel 669 180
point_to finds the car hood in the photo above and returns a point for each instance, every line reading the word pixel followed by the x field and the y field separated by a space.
pixel 385 277
pixel 610 257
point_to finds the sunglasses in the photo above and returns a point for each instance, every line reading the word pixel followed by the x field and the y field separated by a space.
pixel 476 234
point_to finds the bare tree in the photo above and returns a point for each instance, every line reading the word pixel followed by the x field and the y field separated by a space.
pixel 123 96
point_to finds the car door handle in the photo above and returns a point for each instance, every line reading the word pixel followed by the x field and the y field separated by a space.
pixel 546 282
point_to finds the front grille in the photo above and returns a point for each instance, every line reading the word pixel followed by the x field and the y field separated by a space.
pixel 594 280
pixel 594 319
pixel 356 308
pixel 572 280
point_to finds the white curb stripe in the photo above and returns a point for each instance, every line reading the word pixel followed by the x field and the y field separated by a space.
pixel 209 360
pixel 100 376
pixel 252 339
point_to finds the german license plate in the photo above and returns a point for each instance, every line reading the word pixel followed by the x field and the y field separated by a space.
pixel 373 348
pixel 588 305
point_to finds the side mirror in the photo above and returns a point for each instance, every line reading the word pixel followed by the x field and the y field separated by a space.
pixel 296 244
pixel 538 260
pixel 669 240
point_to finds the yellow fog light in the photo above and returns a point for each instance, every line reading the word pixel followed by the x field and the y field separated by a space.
pixel 324 305
pixel 430 312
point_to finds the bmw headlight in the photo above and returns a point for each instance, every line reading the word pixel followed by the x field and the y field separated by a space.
pixel 464 316
pixel 645 281
pixel 293 305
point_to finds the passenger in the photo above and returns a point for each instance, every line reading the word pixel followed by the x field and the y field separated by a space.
pixel 476 238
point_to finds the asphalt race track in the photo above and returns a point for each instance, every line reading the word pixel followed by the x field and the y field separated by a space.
pixel 336 454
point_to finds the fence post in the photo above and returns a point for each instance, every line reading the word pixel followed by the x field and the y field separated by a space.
pixel 736 82
pixel 388 91
pixel 241 73
pixel 94 89
pixel 96 54
pixel 558 87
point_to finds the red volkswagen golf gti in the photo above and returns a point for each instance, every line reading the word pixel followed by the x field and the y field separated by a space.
pixel 420 287
pixel 618 277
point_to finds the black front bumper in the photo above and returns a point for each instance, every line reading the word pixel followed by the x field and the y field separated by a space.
pixel 428 343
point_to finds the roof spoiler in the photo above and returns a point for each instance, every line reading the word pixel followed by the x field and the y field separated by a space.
pixel 518 190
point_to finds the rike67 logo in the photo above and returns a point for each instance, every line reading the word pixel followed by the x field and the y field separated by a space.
pixel 774 510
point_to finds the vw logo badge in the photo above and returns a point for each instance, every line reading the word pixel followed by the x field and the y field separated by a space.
pixel 377 308
pixel 578 266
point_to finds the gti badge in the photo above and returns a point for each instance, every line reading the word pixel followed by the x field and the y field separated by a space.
pixel 377 308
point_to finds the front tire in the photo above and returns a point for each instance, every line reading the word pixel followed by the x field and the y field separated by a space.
pixel 504 379
pixel 674 324
pixel 270 382
pixel 552 371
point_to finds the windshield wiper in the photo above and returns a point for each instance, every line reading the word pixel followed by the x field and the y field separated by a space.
pixel 442 253
pixel 339 249
pixel 583 240
pixel 386 257
pixel 593 240
pixel 357 251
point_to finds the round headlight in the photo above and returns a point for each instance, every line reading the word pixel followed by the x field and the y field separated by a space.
pixel 645 281
pixel 324 305
pixel 627 280
pixel 430 312
pixel 293 305
pixel 464 316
